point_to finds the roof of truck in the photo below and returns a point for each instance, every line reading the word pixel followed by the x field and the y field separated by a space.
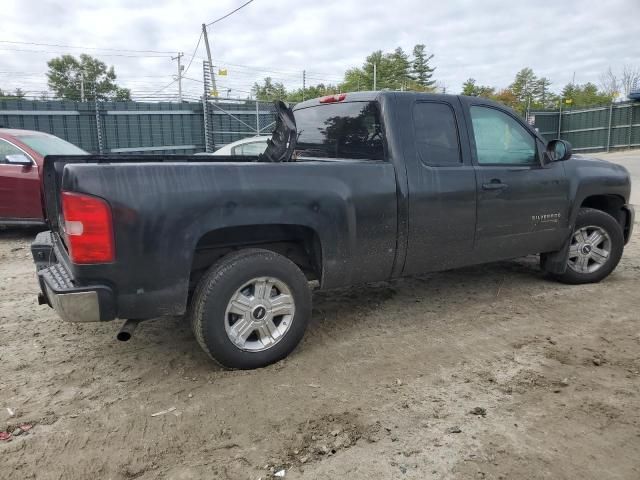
pixel 370 96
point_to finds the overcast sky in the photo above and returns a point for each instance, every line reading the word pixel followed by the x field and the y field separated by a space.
pixel 489 40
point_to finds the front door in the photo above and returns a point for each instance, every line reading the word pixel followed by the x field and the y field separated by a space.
pixel 522 204
pixel 19 187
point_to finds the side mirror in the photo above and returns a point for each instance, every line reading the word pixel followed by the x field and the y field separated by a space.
pixel 558 150
pixel 18 159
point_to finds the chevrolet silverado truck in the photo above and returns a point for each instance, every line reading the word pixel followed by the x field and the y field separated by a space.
pixel 352 188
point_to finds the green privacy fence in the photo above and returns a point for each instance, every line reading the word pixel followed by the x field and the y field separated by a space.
pixel 135 127
pixel 593 129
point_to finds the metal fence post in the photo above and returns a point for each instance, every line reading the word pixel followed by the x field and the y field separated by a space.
pixel 98 123
pixel 560 119
pixel 609 129
pixel 257 117
pixel 208 137
pixel 630 122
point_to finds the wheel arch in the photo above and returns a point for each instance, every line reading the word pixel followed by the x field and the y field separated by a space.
pixel 612 204
pixel 299 243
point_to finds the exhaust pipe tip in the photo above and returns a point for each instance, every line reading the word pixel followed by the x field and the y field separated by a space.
pixel 123 336
pixel 126 330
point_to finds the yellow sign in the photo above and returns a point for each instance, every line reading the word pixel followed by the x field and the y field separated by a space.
pixel 568 101
pixel 214 93
pixel 222 72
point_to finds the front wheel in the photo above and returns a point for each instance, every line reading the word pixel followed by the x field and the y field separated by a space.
pixel 595 250
pixel 251 309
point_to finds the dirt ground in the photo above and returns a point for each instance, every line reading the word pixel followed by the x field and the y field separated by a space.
pixel 482 373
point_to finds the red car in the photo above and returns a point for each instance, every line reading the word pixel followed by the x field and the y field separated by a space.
pixel 22 154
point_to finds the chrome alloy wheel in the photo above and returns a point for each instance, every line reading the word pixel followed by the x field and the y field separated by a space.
pixel 259 314
pixel 590 249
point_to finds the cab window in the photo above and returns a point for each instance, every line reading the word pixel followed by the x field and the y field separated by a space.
pixel 500 139
pixel 436 134
pixel 350 130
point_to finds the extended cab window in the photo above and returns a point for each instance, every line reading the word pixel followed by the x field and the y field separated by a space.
pixel 340 130
pixel 501 139
pixel 436 134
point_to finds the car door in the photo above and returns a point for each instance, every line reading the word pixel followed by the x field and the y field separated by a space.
pixel 523 204
pixel 442 186
pixel 19 187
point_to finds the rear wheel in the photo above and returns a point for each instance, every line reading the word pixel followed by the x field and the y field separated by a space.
pixel 251 309
pixel 596 248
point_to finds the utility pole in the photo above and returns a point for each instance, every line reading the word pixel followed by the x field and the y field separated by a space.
pixel 82 86
pixel 180 68
pixel 206 44
pixel 375 75
pixel 304 82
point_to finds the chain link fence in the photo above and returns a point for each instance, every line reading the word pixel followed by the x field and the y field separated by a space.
pixel 138 127
pixel 593 129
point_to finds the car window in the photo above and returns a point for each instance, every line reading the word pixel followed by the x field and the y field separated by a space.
pixel 50 145
pixel 350 130
pixel 501 139
pixel 436 133
pixel 7 148
pixel 250 149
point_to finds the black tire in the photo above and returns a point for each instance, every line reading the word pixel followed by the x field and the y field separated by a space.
pixel 220 283
pixel 597 218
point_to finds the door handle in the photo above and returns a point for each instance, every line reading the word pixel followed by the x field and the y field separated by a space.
pixel 494 185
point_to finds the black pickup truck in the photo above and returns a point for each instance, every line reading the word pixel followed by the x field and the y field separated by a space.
pixel 352 188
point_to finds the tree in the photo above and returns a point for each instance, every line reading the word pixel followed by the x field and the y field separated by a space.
pixel 543 98
pixel 609 83
pixel 394 71
pixel 630 79
pixel 523 88
pixel 615 85
pixel 470 88
pixel 421 71
pixel 269 91
pixel 67 74
pixel 316 91
pixel 17 95
pixel 584 95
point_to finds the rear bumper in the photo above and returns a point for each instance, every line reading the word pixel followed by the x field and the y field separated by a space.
pixel 628 228
pixel 71 301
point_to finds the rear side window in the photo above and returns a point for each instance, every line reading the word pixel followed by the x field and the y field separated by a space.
pixel 340 130
pixel 436 134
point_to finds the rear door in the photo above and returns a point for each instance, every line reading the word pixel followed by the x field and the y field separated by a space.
pixel 442 185
pixel 20 197
pixel 522 204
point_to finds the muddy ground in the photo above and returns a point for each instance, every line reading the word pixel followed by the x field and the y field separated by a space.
pixel 482 373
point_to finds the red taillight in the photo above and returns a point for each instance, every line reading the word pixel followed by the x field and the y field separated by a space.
pixel 333 98
pixel 87 223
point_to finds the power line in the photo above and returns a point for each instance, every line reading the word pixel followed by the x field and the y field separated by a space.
pixel 230 13
pixel 166 86
pixel 193 55
pixel 85 48
pixel 101 54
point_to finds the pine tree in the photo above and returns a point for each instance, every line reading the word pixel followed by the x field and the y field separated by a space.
pixel 422 72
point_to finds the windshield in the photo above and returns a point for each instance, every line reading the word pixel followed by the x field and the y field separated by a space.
pixel 50 145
